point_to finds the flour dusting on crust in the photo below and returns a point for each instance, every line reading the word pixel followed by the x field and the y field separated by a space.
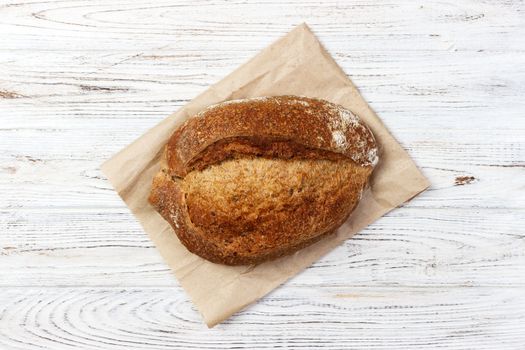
pixel 339 138
pixel 174 215
pixel 341 121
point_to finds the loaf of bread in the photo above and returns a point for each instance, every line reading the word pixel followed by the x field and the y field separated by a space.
pixel 251 180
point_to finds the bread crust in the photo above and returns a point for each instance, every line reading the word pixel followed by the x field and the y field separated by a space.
pixel 252 180
pixel 266 126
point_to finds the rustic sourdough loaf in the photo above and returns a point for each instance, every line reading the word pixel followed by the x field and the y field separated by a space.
pixel 251 180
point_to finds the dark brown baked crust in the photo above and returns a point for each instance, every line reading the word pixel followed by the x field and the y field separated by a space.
pixel 266 186
pixel 280 126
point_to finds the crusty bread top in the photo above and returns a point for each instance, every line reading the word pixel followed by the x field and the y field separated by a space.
pixel 269 127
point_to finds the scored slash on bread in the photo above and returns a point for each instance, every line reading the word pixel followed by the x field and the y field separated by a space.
pixel 251 180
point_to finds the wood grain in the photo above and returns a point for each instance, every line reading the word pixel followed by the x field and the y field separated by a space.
pixel 79 80
pixel 291 317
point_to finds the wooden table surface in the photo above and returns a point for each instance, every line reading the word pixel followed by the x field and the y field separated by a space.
pixel 79 80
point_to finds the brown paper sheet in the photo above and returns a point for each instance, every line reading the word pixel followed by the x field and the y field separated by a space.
pixel 297 64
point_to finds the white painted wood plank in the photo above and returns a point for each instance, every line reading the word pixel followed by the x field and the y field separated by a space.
pixel 407 247
pixel 291 318
pixel 95 25
pixel 438 89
